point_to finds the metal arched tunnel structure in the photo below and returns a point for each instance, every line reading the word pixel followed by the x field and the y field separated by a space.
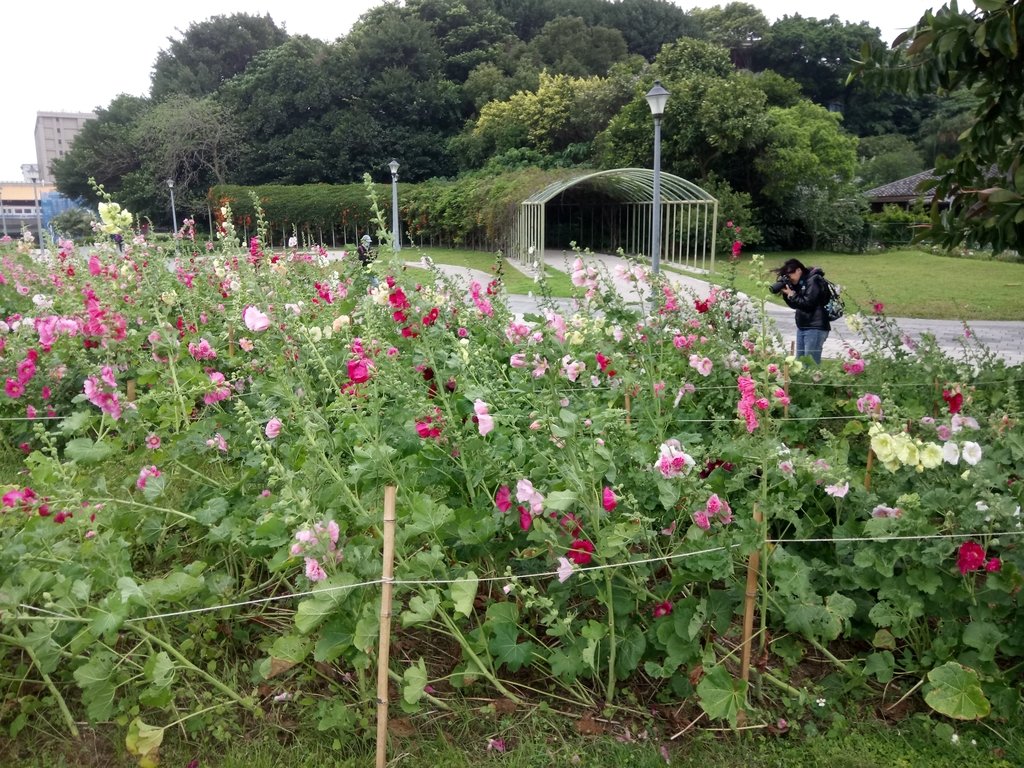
pixel 605 211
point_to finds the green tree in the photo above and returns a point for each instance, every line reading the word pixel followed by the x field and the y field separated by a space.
pixel 74 224
pixel 105 150
pixel 286 105
pixel 192 141
pixel 949 50
pixel 568 45
pixel 736 27
pixel 887 158
pixel 211 52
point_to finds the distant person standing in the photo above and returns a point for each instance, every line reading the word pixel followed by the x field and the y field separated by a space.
pixel 806 291
pixel 365 257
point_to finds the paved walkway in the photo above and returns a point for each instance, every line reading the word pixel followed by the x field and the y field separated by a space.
pixel 1005 338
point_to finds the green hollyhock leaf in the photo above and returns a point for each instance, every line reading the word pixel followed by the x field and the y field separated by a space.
pixel 329 595
pixel 421 608
pixel 881 665
pixel 414 680
pixel 503 644
pixel 984 636
pixel 560 500
pixel 174 587
pixel 463 592
pixel 956 692
pixel 76 422
pixel 721 696
pixel 95 678
pixel 86 451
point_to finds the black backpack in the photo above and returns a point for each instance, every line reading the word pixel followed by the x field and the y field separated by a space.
pixel 834 306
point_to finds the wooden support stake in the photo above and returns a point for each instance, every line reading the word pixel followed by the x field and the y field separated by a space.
pixel 131 390
pixel 384 641
pixel 753 568
pixel 231 341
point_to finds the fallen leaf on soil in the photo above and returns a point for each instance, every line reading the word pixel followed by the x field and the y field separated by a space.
pixel 401 726
pixel 588 726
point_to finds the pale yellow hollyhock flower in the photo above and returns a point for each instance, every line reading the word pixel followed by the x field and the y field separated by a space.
pixel 906 451
pixel 575 338
pixel 884 447
pixel 341 321
pixel 931 455
pixel 315 334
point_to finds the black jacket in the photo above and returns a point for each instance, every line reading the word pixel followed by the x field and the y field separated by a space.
pixel 811 295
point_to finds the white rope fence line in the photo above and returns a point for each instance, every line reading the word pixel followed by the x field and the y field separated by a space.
pixel 376 582
pixel 513 577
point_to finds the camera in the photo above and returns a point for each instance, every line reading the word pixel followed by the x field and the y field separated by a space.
pixel 779 284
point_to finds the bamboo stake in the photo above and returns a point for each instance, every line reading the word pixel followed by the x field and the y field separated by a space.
pixel 753 568
pixel 131 390
pixel 867 469
pixel 384 642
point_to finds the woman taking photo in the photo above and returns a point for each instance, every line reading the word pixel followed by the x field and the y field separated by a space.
pixel 805 291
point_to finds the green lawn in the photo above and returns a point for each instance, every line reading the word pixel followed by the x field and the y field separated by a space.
pixel 911 283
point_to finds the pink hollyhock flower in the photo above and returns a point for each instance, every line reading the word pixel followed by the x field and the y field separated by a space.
pixel 878 307
pixel 663 608
pixel 313 570
pixel 672 461
pixel 503 499
pixel 221 389
pixel 14 388
pixel 202 350
pixel 870 403
pixel 358 371
pixel 608 500
pixel 854 367
pixel 701 519
pixel 152 441
pixel 971 557
pixel 565 569
pixel 580 551
pixel 525 492
pixel 485 422
pixel 497 745
pixel 702 365
pixel 273 428
pixel 525 518
pixel 518 360
pixel 255 320
pixel 218 442
pixel 144 474
pixel 883 511
pixel 993 565
pixel 838 491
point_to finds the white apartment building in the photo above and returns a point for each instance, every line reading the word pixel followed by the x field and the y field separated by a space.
pixel 54 133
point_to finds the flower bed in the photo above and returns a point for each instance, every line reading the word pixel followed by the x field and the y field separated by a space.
pixel 206 432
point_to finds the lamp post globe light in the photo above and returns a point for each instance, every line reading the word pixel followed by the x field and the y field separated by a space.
pixel 396 239
pixel 174 214
pixel 657 97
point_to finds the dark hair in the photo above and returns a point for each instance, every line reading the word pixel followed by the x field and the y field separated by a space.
pixel 791 265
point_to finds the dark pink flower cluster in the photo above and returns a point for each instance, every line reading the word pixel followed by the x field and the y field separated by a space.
pixel 102 392
pixel 749 401
pixel 972 557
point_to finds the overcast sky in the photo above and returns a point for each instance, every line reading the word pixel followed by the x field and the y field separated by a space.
pixel 74 56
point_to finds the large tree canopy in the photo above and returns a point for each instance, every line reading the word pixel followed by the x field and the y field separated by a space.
pixel 211 52
pixel 947 51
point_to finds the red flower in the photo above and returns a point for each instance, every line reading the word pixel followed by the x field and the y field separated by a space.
pixel 955 401
pixel 580 551
pixel 971 557
pixel 993 565
pixel 431 317
pixel 525 518
pixel 662 609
